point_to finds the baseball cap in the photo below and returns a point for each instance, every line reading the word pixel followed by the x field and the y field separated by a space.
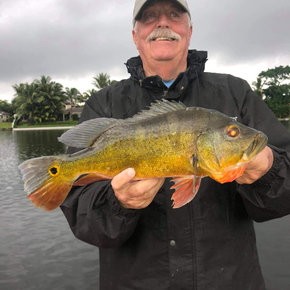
pixel 140 5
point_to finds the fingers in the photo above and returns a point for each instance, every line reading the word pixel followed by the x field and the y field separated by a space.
pixel 258 167
pixel 135 194
pixel 146 186
pixel 121 180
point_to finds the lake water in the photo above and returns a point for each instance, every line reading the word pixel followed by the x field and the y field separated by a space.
pixel 38 250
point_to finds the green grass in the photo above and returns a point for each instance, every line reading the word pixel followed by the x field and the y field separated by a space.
pixel 5 125
pixel 49 124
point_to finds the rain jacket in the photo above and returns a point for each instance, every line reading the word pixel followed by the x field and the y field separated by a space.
pixel 210 242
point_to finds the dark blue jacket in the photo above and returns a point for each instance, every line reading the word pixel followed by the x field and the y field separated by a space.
pixel 210 242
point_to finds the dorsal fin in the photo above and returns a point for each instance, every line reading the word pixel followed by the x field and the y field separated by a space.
pixel 85 134
pixel 157 108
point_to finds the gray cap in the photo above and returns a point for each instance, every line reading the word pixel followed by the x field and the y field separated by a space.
pixel 141 4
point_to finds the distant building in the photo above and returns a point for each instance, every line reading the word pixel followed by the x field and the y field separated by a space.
pixel 71 109
pixel 4 116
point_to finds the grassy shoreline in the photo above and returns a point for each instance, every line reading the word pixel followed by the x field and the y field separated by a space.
pixel 5 125
pixel 8 125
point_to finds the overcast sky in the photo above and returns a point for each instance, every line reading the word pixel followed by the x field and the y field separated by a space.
pixel 74 40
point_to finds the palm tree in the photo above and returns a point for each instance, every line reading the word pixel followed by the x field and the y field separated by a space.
pixel 87 94
pixel 102 80
pixel 25 101
pixel 6 107
pixel 42 100
pixel 50 97
pixel 74 97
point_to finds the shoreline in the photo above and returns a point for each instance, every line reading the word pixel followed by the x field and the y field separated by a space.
pixel 42 128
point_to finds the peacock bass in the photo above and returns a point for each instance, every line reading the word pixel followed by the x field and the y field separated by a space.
pixel 168 140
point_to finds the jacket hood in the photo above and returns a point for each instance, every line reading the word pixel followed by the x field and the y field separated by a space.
pixel 195 66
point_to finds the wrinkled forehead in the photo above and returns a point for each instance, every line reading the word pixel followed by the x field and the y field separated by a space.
pixel 148 4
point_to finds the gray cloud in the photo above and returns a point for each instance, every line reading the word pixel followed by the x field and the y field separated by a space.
pixel 70 39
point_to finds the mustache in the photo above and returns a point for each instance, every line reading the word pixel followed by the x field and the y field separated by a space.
pixel 163 33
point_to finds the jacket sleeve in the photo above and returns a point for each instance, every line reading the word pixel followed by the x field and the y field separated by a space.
pixel 92 211
pixel 268 197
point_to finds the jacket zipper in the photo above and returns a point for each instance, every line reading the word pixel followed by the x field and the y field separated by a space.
pixel 193 247
pixel 164 93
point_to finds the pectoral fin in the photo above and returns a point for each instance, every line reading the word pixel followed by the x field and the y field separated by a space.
pixel 186 188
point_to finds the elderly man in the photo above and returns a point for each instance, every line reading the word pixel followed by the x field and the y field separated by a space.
pixel 210 242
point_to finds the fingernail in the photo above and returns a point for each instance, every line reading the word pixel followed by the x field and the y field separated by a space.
pixel 131 172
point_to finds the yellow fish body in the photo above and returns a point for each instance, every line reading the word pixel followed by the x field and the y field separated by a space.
pixel 168 140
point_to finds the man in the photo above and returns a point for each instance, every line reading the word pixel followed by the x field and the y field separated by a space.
pixel 210 242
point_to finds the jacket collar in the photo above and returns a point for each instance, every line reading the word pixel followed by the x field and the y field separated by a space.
pixel 195 67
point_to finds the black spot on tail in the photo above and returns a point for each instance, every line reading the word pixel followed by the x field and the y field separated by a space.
pixel 53 170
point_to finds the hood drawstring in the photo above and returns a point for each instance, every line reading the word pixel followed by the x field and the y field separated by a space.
pixel 198 91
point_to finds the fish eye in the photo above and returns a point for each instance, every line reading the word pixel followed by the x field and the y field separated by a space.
pixel 233 131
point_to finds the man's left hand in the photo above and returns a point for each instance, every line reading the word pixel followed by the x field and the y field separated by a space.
pixel 258 167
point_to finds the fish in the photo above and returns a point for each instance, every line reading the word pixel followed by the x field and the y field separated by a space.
pixel 166 140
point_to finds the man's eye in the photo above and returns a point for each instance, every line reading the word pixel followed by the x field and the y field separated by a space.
pixel 174 14
pixel 149 15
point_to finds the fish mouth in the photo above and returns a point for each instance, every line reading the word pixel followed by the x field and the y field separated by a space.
pixel 258 144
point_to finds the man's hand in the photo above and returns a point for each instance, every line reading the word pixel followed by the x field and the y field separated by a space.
pixel 133 194
pixel 258 167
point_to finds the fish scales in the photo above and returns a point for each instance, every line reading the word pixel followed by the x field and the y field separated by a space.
pixel 153 147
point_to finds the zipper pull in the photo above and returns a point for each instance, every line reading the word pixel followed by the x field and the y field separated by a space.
pixel 165 93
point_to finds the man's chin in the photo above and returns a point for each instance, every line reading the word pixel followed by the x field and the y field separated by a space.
pixel 164 56
pixel 164 50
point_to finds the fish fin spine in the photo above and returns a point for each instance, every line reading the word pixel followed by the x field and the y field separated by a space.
pixel 157 108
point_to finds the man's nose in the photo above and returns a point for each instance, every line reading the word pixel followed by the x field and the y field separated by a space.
pixel 163 21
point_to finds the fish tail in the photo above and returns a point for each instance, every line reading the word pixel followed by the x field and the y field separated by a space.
pixel 44 182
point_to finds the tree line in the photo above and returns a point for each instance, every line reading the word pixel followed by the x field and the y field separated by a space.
pixel 273 86
pixel 43 99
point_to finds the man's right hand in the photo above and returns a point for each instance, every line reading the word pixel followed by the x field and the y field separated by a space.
pixel 135 194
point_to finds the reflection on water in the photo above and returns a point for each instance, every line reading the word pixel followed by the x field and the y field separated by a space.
pixel 37 248
pixel 32 144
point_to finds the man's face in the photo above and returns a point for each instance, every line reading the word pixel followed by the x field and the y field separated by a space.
pixel 162 15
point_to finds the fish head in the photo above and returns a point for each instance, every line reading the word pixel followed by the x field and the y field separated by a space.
pixel 226 147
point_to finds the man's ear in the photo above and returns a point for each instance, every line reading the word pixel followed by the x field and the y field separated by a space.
pixel 190 34
pixel 134 34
